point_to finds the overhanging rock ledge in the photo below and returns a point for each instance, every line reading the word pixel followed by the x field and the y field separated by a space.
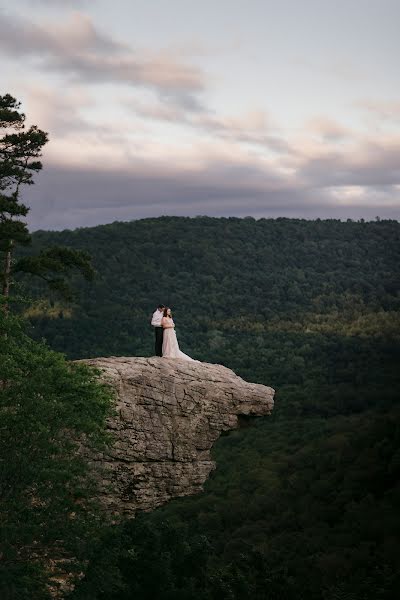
pixel 169 414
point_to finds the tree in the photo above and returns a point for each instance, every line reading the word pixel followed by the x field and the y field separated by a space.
pixel 19 150
pixel 48 510
pixel 19 153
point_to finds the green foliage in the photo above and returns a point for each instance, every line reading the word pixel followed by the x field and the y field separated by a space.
pixel 332 349
pixel 19 150
pixel 54 264
pixel 296 509
pixel 304 504
pixel 47 507
pixel 228 276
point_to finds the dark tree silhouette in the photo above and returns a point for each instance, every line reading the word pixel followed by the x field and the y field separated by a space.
pixel 19 153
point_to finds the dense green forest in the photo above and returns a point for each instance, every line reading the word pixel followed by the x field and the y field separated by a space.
pixel 304 504
pixel 225 279
pixel 48 497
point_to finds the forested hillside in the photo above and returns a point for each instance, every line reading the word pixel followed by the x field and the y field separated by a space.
pixel 223 276
pixel 304 504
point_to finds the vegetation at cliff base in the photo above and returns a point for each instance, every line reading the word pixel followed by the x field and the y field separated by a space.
pixel 48 513
pixel 296 510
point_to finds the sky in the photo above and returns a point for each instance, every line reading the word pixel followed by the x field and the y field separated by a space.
pixel 260 108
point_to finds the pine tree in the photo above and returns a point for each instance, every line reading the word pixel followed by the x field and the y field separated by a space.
pixel 20 150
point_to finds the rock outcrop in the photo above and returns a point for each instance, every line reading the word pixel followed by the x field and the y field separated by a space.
pixel 169 414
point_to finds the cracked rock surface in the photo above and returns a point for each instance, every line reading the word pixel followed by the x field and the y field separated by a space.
pixel 169 414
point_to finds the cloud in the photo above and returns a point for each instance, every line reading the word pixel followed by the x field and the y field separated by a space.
pixel 69 3
pixel 388 110
pixel 251 128
pixel 21 37
pixel 64 198
pixel 369 163
pixel 159 111
pixel 327 129
pixel 118 171
pixel 77 49
pixel 59 112
pixel 163 151
pixel 76 197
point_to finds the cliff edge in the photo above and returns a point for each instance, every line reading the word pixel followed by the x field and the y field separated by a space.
pixel 169 414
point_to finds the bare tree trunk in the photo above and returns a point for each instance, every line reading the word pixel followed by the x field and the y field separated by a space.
pixel 6 276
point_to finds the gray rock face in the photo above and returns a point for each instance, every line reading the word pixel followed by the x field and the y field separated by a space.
pixel 169 414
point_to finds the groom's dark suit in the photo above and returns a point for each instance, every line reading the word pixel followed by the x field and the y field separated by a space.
pixel 159 340
pixel 158 330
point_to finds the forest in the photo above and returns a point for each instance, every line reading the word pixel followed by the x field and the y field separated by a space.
pixel 304 503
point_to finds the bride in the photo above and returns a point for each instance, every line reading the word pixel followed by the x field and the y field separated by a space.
pixel 170 347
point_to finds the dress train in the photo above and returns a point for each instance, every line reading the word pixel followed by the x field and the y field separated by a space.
pixel 170 347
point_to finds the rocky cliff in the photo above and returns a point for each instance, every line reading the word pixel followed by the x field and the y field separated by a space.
pixel 169 414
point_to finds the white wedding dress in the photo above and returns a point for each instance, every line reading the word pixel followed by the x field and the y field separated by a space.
pixel 170 347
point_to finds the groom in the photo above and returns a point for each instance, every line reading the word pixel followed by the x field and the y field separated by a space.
pixel 156 322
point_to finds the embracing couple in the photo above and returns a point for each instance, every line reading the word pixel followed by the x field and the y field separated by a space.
pixel 166 343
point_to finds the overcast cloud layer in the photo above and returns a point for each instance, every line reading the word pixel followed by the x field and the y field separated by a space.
pixel 176 116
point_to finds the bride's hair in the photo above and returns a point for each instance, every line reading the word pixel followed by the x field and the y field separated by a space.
pixel 165 313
